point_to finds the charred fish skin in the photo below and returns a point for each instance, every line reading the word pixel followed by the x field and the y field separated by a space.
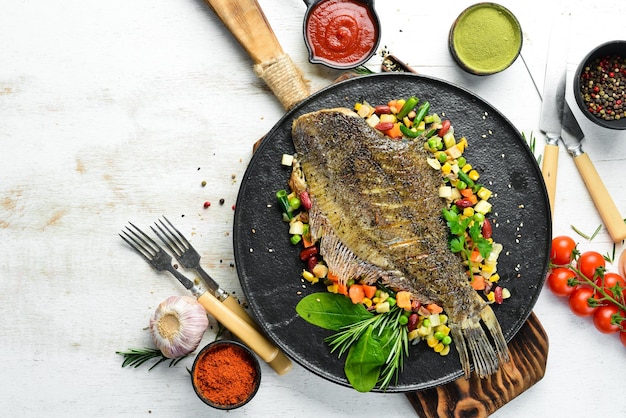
pixel 375 202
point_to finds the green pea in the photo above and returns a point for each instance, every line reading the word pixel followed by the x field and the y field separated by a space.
pixel 403 320
pixel 461 185
pixel 461 161
pixel 447 340
pixel 392 301
pixel 439 335
pixel 426 323
pixel 294 203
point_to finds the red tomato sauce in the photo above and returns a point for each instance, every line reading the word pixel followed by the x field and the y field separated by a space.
pixel 341 32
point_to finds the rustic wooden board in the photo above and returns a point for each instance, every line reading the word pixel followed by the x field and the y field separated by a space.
pixel 476 398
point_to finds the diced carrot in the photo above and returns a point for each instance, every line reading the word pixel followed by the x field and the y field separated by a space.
pixel 342 288
pixel 434 308
pixel 369 291
pixel 473 198
pixel 332 277
pixel 306 241
pixel 403 300
pixel 394 132
pixel 467 192
pixel 478 283
pixel 356 293
pixel 475 257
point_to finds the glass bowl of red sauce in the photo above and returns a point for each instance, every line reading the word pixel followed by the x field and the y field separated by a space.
pixel 341 34
pixel 226 374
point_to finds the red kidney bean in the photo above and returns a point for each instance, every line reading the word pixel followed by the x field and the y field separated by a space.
pixel 412 323
pixel 384 126
pixel 445 125
pixel 305 199
pixel 311 262
pixel 486 229
pixel 463 203
pixel 497 292
pixel 382 110
pixel 308 253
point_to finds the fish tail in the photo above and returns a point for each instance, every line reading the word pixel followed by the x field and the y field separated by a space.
pixel 471 339
pixel 492 324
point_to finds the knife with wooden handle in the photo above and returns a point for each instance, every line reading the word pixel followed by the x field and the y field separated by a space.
pixel 572 137
pixel 553 98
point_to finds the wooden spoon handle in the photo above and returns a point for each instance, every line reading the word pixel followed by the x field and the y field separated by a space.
pixel 247 22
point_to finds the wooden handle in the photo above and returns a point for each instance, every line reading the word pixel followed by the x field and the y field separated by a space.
pixel 609 213
pixel 549 166
pixel 247 22
pixel 244 331
pixel 232 304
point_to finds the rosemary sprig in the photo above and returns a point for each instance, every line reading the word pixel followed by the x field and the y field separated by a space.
pixel 585 236
pixel 135 357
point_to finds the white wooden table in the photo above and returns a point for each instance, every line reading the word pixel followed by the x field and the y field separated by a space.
pixel 119 110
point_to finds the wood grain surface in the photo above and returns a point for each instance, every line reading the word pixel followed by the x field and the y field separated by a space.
pixel 124 111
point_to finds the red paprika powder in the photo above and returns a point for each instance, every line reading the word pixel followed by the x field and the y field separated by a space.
pixel 226 375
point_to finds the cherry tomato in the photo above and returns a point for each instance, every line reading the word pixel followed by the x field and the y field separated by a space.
pixel 561 250
pixel 622 337
pixel 610 280
pixel 578 301
pixel 558 279
pixel 589 261
pixel 602 319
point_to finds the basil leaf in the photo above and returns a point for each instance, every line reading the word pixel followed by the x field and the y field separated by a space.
pixel 331 311
pixel 364 362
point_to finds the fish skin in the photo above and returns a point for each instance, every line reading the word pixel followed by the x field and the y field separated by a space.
pixel 377 209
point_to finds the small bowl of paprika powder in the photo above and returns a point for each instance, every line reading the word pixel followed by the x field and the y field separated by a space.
pixel 226 374
pixel 341 34
pixel 600 85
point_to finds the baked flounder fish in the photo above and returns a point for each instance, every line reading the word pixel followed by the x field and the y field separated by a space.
pixel 377 213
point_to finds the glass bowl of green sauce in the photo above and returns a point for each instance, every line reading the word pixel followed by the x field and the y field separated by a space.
pixel 485 39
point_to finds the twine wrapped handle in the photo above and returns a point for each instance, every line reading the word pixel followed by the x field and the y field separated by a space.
pixel 284 79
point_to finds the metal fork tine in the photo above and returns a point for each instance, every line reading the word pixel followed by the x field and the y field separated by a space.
pixel 182 240
pixel 146 239
pixel 168 242
pixel 131 242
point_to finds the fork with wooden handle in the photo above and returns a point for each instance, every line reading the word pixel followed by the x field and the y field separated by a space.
pixel 162 261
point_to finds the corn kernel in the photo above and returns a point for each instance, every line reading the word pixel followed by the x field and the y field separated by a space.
pixel 446 168
pixel 445 351
pixel 484 193
pixel 443 318
pixel 494 277
pixel 309 277
pixel 382 307
pixel 413 335
pixel 469 212
pixel 432 341
pixel 333 288
pixel 439 347
pixel 491 296
pixel 467 168
pixel 388 117
pixel 423 331
pixel 367 302
pixel 473 174
pixel 445 330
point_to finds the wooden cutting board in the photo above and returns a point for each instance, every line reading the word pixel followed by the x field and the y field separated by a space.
pixel 476 398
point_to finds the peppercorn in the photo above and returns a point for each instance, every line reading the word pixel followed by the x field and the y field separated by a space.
pixel 602 87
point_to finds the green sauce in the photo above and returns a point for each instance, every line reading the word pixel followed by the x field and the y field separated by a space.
pixel 486 38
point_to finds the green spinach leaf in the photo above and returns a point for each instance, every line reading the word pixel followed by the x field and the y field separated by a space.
pixel 331 311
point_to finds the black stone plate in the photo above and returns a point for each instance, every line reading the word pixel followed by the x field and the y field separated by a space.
pixel 268 264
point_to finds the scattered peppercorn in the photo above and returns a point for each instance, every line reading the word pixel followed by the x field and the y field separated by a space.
pixel 207 204
pixel 203 183
pixel 603 87
pixel 233 207
pixel 221 201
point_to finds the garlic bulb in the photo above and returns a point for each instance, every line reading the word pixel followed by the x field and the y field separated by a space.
pixel 178 325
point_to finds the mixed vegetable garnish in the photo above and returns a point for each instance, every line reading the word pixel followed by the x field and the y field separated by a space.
pixel 374 324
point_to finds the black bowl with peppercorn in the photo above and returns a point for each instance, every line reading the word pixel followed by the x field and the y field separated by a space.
pixel 600 85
